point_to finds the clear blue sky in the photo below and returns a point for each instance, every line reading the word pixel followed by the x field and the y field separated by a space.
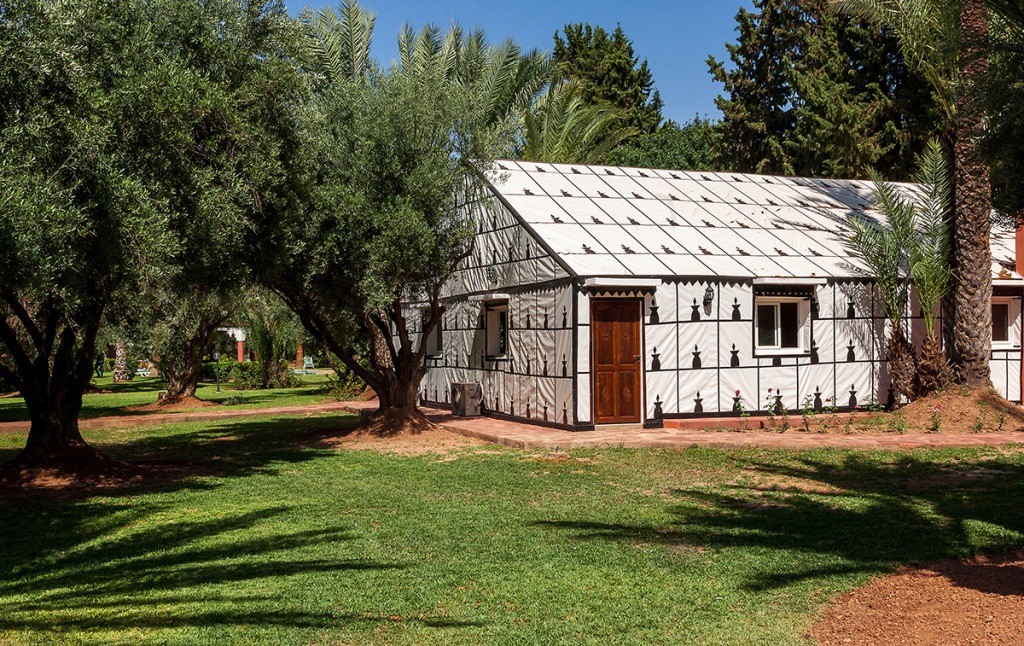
pixel 674 36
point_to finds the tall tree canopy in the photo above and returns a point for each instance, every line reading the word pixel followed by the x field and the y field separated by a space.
pixel 690 146
pixel 400 156
pixel 129 130
pixel 608 71
pixel 813 93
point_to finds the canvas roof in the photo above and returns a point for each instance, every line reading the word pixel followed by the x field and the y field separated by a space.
pixel 613 221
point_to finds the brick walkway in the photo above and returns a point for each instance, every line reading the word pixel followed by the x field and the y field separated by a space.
pixel 201 415
pixel 526 436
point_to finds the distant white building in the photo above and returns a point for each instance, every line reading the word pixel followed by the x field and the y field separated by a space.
pixel 603 295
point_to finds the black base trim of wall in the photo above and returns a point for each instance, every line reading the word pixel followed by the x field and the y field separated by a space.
pixel 515 418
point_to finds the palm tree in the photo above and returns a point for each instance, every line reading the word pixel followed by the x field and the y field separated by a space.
pixel 947 41
pixel 882 248
pixel 911 248
pixel 561 127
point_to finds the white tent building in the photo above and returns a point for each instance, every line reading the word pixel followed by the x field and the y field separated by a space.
pixel 603 295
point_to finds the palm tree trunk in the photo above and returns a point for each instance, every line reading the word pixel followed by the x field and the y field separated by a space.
pixel 121 369
pixel 972 333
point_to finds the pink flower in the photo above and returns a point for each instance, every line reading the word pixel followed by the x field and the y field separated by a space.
pixel 737 393
pixel 770 390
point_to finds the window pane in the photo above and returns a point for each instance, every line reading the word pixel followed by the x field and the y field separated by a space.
pixel 788 322
pixel 502 331
pixel 1000 322
pixel 766 326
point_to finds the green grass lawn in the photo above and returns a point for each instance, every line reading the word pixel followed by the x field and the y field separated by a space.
pixel 260 540
pixel 143 390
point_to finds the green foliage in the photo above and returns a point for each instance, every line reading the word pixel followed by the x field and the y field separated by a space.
pixel 608 72
pixel 687 147
pixel 254 375
pixel 931 246
pixel 136 143
pixel 928 32
pixel 1004 143
pixel 562 127
pixel 912 247
pixel 812 93
pixel 272 334
pixel 399 157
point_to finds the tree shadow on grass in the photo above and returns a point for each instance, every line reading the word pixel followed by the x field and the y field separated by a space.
pixel 132 565
pixel 841 515
pixel 192 455
pixel 115 559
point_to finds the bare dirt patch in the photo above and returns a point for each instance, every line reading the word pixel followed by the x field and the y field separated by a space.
pixel 959 410
pixel 172 405
pixel 953 411
pixel 980 601
pixel 76 469
pixel 398 434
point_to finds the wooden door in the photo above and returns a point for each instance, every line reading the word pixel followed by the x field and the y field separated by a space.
pixel 616 355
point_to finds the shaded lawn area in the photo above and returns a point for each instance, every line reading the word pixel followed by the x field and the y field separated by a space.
pixel 144 390
pixel 253 538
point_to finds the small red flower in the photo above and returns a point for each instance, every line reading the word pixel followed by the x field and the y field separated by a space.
pixel 770 389
pixel 737 393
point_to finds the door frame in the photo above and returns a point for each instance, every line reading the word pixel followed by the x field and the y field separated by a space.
pixel 642 404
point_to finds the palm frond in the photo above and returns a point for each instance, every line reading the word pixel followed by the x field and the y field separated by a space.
pixel 563 128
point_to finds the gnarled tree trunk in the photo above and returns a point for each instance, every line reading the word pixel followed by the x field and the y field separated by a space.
pixel 972 333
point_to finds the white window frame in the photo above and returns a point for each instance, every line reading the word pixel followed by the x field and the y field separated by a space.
pixel 1013 328
pixel 492 323
pixel 803 336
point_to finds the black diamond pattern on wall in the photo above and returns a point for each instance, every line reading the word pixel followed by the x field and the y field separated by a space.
pixel 655 360
pixel 565 317
pixel 545 320
pixel 654 312
pixel 565 415
pixel 527 319
pixel 853 396
pixel 734 361
pixel 695 314
pixel 658 414
pixel 850 354
pixel 696 358
pixel 698 403
pixel 817 398
pixel 565 366
pixel 851 311
pixel 814 352
pixel 736 316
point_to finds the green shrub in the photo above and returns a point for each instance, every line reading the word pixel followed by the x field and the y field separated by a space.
pixel 250 376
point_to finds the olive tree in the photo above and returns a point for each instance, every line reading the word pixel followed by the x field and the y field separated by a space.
pixel 126 130
pixel 400 154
